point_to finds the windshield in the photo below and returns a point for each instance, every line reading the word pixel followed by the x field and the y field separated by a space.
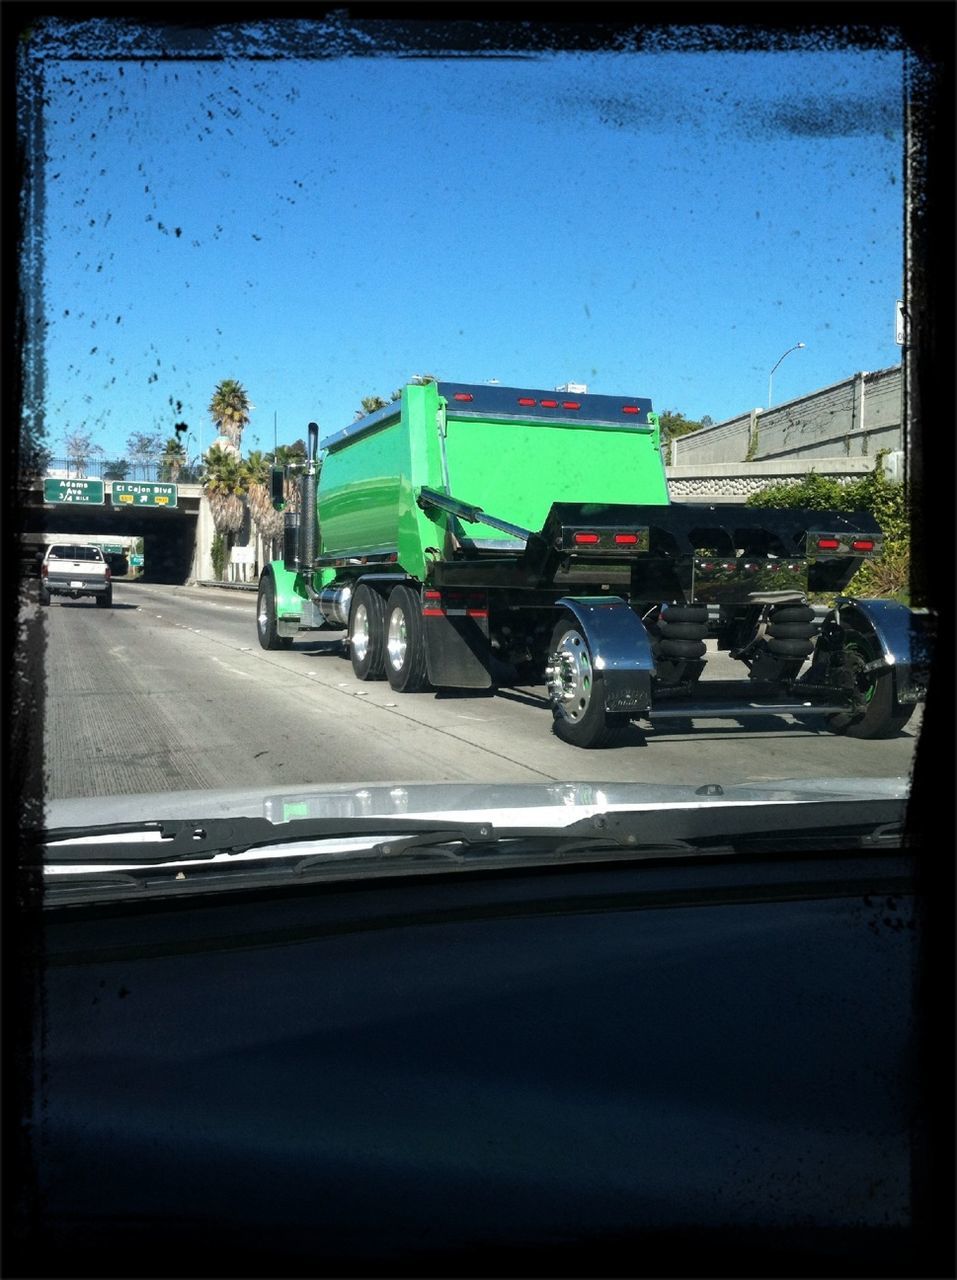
pixel 447 416
pixel 469 804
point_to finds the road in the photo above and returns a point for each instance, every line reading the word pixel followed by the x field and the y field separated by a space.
pixel 169 690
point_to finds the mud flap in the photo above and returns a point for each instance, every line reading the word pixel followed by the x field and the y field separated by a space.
pixel 457 650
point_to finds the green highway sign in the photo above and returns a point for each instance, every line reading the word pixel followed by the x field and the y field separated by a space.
pixel 113 548
pixel 87 491
pixel 144 495
pixel 136 561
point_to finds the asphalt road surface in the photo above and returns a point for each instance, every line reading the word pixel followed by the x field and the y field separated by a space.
pixel 169 690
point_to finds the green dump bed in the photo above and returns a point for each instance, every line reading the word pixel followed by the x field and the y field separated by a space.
pixel 509 451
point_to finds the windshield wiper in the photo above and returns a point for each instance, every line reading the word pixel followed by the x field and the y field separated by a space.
pixel 681 830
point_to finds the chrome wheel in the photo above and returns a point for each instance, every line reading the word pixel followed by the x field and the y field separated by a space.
pixel 397 640
pixel 360 632
pixel 570 677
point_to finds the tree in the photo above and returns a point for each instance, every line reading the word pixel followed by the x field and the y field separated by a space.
pixel 674 424
pixel 118 469
pixel 267 520
pixel 370 404
pixel 79 448
pixel 230 410
pixel 172 459
pixel 143 447
pixel 225 485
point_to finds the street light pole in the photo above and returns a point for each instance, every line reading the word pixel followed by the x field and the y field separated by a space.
pixel 797 347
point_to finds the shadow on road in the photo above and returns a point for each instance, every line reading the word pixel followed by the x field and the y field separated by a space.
pixel 89 604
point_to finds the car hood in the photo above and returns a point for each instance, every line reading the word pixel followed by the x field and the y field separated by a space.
pixel 539 804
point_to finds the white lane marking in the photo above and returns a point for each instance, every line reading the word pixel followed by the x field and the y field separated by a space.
pixel 235 670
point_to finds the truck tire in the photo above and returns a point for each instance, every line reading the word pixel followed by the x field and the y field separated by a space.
pixel 266 624
pixel 883 715
pixel 367 633
pixel 45 596
pixel 405 661
pixel 105 601
pixel 581 719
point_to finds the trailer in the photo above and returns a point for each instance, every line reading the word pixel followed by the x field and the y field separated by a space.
pixel 475 536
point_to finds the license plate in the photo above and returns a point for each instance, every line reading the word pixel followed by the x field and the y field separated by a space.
pixel 76 584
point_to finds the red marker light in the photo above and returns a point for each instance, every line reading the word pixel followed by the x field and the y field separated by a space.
pixel 570 404
pixel 526 400
pixel 630 408
pixel 587 539
pixel 549 404
pixel 432 595
pixel 863 544
pixel 626 539
pixel 462 395
pixel 829 544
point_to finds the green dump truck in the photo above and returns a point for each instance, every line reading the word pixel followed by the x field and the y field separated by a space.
pixel 476 536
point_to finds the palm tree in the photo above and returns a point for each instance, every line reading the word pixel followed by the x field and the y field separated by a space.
pixel 369 405
pixel 172 459
pixel 268 521
pixel 224 486
pixel 229 409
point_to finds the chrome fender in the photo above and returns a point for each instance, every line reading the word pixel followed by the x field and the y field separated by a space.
pixel 905 637
pixel 620 650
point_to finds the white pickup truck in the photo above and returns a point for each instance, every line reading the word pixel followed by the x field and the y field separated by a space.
pixel 72 569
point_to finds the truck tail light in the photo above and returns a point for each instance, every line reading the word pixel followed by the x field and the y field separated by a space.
pixel 587 539
pixel 570 404
pixel 630 408
pixel 549 404
pixel 462 395
pixel 626 539
pixel 828 544
pixel 44 570
pixel 108 574
pixel 862 544
pixel 470 604
pixel 527 401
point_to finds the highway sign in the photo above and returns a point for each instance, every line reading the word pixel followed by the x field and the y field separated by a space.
pixel 85 491
pixel 136 561
pixel 144 495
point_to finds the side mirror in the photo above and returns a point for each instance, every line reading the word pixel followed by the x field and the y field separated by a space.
pixel 276 488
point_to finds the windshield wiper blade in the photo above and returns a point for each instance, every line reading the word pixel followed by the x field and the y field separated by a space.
pixel 179 839
pixel 693 829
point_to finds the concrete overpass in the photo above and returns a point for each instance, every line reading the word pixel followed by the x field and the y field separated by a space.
pixel 171 549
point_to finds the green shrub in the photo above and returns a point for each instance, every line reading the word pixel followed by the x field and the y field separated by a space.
pixel 888 575
pixel 219 552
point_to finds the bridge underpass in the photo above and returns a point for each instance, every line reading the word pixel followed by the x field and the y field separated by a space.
pixel 169 535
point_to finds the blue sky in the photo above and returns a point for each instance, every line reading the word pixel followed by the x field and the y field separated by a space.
pixel 660 225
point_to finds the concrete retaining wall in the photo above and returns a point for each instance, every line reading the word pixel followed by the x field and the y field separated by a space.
pixel 851 419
